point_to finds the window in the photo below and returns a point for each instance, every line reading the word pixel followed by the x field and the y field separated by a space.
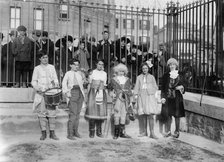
pixel 15 17
pixel 144 24
pixel 87 25
pixel 124 23
pixel 117 23
pixel 130 24
pixel 64 12
pixel 144 39
pixel 38 19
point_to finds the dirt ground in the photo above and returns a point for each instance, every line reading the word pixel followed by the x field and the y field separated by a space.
pixel 107 150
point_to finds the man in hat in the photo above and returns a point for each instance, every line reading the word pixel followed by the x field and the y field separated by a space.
pixel 8 59
pixel 47 46
pixel 21 49
pixel 105 51
pixel 64 54
pixel 121 49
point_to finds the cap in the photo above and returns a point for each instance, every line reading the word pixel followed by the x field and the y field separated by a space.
pixel 69 38
pixel 105 31
pixel 21 28
pixel 13 32
pixel 93 39
pixel 45 34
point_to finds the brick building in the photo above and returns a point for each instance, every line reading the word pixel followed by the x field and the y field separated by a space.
pixel 58 17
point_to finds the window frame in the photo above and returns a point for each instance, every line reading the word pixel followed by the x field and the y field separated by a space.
pixel 36 20
pixel 10 17
pixel 60 15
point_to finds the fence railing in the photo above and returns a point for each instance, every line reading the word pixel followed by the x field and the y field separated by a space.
pixel 190 33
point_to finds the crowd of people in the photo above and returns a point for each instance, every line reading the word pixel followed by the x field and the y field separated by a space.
pixel 89 66
pixel 19 56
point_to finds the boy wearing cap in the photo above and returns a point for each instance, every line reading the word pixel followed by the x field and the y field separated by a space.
pixel 8 59
pixel 21 49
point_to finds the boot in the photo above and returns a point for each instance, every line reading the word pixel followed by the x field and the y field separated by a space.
pixel 99 129
pixel 122 132
pixel 44 135
pixel 151 127
pixel 91 128
pixel 76 134
pixel 70 131
pixel 116 131
pixel 92 133
pixel 53 136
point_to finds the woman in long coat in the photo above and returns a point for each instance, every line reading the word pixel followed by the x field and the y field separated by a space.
pixel 171 92
pixel 144 91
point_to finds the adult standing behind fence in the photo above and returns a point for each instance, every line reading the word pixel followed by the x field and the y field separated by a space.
pixel 47 46
pixel 64 54
pixel 44 77
pixel 8 59
pixel 21 49
pixel 105 50
pixel 96 111
pixel 82 55
pixel 171 92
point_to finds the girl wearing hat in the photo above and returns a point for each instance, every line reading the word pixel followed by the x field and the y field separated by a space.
pixel 172 98
pixel 122 93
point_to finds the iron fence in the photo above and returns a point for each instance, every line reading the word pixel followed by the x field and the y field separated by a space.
pixel 190 33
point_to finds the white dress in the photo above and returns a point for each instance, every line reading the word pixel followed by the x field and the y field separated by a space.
pixel 146 88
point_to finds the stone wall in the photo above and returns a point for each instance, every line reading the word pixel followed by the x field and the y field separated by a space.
pixel 205 119
pixel 205 126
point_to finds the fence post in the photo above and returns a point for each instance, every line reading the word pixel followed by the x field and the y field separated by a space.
pixel 171 20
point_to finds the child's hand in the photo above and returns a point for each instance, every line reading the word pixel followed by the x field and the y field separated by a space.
pixel 163 100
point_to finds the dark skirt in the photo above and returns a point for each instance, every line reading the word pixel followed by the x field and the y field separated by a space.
pixel 173 107
pixel 96 111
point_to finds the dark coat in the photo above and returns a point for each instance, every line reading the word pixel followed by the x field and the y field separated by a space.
pixel 7 62
pixel 22 50
pixel 106 51
pixel 174 105
pixel 63 56
pixel 35 48
pixel 48 48
pixel 92 49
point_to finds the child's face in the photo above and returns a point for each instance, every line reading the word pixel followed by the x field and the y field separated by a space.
pixel 44 60
pixel 82 46
pixel 145 69
pixel 100 65
pixel 120 73
pixel 75 66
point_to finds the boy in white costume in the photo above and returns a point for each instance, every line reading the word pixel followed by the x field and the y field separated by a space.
pixel 44 77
